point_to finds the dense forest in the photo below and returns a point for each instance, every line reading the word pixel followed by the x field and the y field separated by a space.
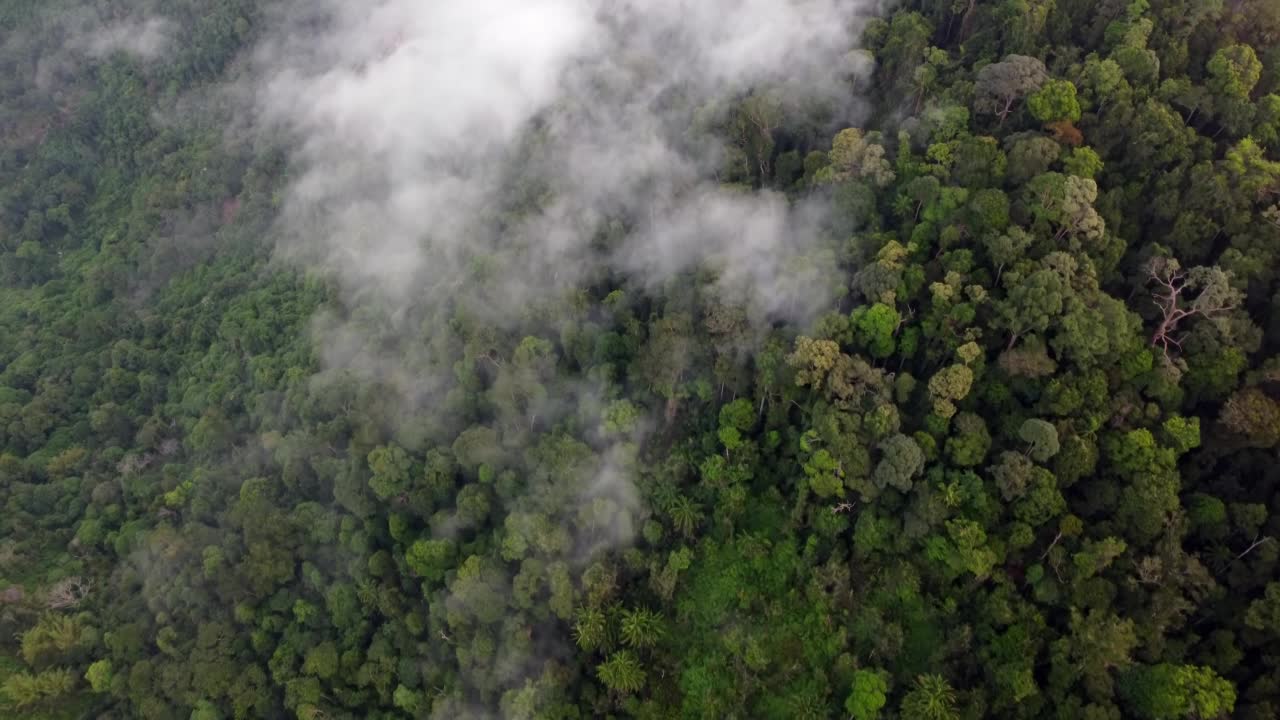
pixel 962 402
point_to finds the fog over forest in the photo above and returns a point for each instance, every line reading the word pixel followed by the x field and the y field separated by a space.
pixel 566 359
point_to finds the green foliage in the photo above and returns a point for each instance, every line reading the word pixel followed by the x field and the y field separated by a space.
pixel 321 661
pixel 591 629
pixel 389 466
pixel 824 474
pixel 999 85
pixel 1083 162
pixel 1183 433
pixel 931 698
pixel 1253 416
pixel 948 385
pixel 1264 613
pixel 430 558
pixel 622 672
pixel 875 327
pixel 1026 446
pixel 867 696
pixel 99 675
pixel 853 156
pixel 1234 70
pixel 641 628
pixel 971 441
pixel 1055 100
pixel 1167 692
pixel 1042 436
pixel 54 637
pixel 901 461
pixel 25 690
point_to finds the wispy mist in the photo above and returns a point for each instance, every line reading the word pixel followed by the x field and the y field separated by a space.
pixel 417 124
pixel 146 38
pixel 492 155
pixel 92 32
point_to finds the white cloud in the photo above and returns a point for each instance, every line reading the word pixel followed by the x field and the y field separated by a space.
pixel 146 38
pixel 409 118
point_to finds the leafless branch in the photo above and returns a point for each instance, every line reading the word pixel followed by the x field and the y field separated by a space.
pixel 68 592
pixel 1256 543
pixel 1169 295
pixel 1056 538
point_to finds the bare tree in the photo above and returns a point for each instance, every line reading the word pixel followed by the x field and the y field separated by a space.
pixel 1179 294
pixel 1254 546
pixel 169 447
pixel 1001 85
pixel 68 592
pixel 8 553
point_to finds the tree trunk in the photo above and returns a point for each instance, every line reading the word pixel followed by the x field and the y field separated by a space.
pixel 1008 106
pixel 967 21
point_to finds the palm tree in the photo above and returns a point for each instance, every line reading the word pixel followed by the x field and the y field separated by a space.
pixel 641 628
pixel 591 629
pixel 685 515
pixel 931 699
pixel 622 672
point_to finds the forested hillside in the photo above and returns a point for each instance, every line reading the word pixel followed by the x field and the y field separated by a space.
pixel 570 359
